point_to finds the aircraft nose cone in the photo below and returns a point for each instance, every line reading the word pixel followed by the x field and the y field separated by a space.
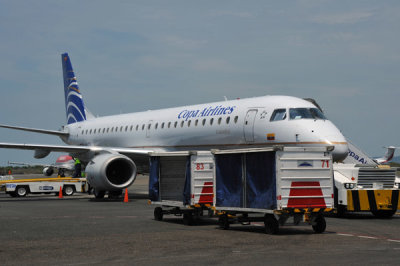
pixel 340 152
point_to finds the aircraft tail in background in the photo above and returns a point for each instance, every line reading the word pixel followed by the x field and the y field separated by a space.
pixel 388 156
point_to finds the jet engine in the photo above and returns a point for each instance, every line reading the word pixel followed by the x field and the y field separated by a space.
pixel 48 171
pixel 111 172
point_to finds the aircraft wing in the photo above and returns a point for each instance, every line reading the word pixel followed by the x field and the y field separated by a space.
pixel 42 151
pixel 41 131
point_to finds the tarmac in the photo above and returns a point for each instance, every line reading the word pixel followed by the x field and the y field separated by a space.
pixel 79 230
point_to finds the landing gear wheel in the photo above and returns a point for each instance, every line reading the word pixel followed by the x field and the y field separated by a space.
pixel 158 214
pixel 271 224
pixel 21 191
pixel 319 225
pixel 115 194
pixel 223 221
pixel 187 218
pixel 99 194
pixel 384 214
pixel 68 190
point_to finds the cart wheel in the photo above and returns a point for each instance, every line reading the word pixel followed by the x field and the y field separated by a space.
pixel 21 191
pixel 158 214
pixel 68 190
pixel 320 224
pixel 384 214
pixel 223 222
pixel 271 224
pixel 187 218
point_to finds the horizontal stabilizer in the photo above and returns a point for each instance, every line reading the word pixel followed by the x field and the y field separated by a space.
pixel 36 130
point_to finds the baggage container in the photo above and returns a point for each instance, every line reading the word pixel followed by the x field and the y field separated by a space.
pixel 273 185
pixel 269 185
pixel 182 183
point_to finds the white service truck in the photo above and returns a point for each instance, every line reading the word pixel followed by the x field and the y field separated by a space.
pixel 366 188
pixel 22 187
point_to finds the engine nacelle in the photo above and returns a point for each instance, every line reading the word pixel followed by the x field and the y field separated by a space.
pixel 110 172
pixel 48 171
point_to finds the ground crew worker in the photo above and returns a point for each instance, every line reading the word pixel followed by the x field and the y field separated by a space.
pixel 78 168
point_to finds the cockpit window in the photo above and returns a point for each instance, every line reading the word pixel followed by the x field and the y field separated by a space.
pixel 317 113
pixel 278 114
pixel 305 113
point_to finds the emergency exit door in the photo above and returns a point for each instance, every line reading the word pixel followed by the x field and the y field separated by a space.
pixel 249 125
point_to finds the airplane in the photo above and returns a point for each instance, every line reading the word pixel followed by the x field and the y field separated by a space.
pixel 114 148
pixel 357 156
pixel 64 163
pixel 388 155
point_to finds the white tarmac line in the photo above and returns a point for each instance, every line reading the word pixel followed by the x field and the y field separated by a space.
pixel 369 237
pixel 341 234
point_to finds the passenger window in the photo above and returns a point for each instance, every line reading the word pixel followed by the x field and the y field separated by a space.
pixel 137 127
pixel 196 122
pixel 175 124
pixel 236 119
pixel 156 126
pixel 189 123
pixel 162 125
pixel 219 120
pixel 204 121
pixel 182 123
pixel 211 121
pixel 120 129
pixel 227 119
pixel 169 124
pixel 278 115
pixel 104 130
pixel 149 127
pixel 143 127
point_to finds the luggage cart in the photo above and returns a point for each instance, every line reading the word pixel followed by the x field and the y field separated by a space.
pixel 274 186
pixel 181 184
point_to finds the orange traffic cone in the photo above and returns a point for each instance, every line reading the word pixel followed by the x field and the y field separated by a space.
pixel 126 199
pixel 60 194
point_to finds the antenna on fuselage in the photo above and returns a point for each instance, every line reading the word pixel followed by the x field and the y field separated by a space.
pixel 226 99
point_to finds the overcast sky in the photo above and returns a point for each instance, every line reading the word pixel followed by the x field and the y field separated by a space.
pixel 138 55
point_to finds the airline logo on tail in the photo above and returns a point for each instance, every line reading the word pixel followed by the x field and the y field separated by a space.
pixel 74 105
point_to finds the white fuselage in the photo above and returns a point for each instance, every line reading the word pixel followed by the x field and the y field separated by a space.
pixel 229 124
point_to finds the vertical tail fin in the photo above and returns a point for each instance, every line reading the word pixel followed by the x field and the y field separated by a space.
pixel 74 105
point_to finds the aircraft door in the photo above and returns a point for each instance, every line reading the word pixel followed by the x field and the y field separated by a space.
pixel 249 125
